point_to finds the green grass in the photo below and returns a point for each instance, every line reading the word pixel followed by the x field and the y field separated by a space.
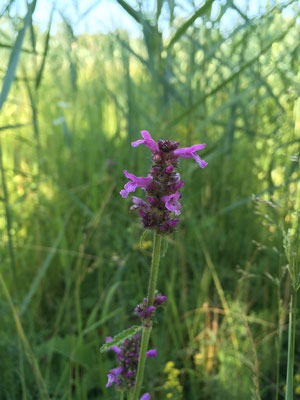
pixel 73 266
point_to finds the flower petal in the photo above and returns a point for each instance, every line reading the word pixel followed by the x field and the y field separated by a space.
pixel 145 396
pixel 190 152
pixel 172 203
pixel 148 142
pixel 186 152
pixel 151 353
pixel 139 203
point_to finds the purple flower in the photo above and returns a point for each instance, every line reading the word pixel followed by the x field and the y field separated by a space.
pixel 144 312
pixel 148 142
pixel 113 376
pixel 116 349
pixel 151 353
pixel 145 396
pixel 134 183
pixel 190 152
pixel 172 203
pixel 139 203
pixel 159 299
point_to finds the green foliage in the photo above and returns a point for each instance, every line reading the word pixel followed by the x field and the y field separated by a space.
pixel 72 259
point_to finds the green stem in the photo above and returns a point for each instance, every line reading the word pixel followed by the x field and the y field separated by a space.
pixel 291 348
pixel 147 329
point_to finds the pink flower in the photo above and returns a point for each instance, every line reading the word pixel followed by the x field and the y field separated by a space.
pixel 135 182
pixel 190 152
pixel 148 142
pixel 185 152
pixel 139 203
pixel 172 203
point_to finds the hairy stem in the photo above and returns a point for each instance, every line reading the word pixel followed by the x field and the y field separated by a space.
pixel 147 329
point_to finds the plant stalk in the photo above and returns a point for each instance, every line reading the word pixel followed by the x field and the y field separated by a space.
pixel 147 329
pixel 291 348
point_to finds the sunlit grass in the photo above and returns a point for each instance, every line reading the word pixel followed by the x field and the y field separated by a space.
pixel 80 266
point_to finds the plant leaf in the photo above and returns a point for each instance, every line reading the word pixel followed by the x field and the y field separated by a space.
pixel 14 57
pixel 41 70
pixel 121 337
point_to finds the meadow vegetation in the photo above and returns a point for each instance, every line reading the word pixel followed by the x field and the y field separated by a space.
pixel 72 263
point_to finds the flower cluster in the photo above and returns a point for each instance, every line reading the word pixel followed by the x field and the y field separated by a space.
pixel 128 355
pixel 162 183
pixel 146 312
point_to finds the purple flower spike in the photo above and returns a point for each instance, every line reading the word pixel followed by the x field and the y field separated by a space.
pixel 190 152
pixel 151 353
pixel 148 142
pixel 172 203
pixel 162 184
pixel 146 396
pixel 124 376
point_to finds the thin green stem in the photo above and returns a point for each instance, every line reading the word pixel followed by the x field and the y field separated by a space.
pixel 278 343
pixel 154 268
pixel 8 221
pixel 291 348
pixel 147 329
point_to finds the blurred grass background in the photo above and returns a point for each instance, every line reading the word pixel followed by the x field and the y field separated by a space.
pixel 72 266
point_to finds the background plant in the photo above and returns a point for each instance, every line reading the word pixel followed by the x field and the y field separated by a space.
pixel 72 265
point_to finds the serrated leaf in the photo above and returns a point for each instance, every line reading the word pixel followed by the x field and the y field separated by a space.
pixel 120 338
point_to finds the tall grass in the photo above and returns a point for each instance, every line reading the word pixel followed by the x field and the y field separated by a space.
pixel 73 267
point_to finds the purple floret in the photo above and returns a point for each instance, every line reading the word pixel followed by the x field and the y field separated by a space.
pixel 159 299
pixel 135 182
pixel 151 353
pixel 172 203
pixel 145 396
pixel 147 141
pixel 113 376
pixel 116 349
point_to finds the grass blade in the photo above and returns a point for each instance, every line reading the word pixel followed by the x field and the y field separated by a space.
pixel 15 54
pixel 289 395
pixel 29 353
pixel 180 31
pixel 232 76
pixel 41 70
pixel 41 272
